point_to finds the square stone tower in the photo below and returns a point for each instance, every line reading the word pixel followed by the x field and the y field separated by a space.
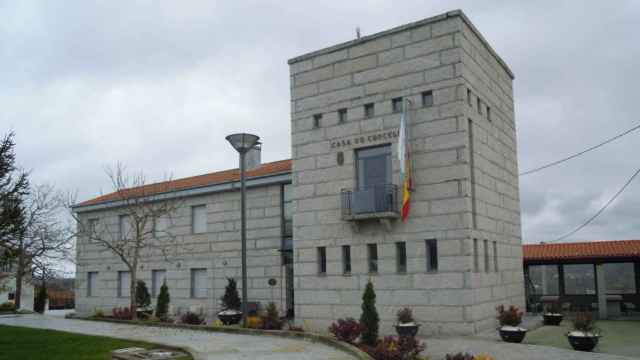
pixel 459 253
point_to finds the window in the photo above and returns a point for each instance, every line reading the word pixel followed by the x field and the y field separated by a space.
pixel 124 227
pixel 124 283
pixel 199 219
pixel 495 256
pixel 346 259
pixel 342 116
pixel 316 120
pixel 469 97
pixel 479 105
pixel 401 257
pixel 322 260
pixel 369 110
pixel 486 255
pixel 476 265
pixel 432 255
pixel 92 283
pixel 544 279
pixel 373 166
pixel 92 226
pixel 620 278
pixel 158 277
pixel 427 98
pixel 287 217
pixel 198 283
pixel 579 279
pixel 161 226
pixel 474 218
pixel 372 255
pixel 396 105
pixel 488 113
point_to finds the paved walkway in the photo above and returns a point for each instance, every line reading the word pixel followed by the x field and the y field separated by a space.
pixel 204 345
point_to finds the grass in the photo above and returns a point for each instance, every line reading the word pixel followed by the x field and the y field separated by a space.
pixel 37 344
pixel 618 337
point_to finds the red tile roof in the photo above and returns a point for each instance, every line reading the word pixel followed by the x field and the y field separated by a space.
pixel 582 250
pixel 272 168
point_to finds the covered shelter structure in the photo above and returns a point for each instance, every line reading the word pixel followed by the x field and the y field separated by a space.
pixel 599 276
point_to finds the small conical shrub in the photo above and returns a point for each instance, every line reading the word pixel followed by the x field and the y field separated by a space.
pixel 369 319
pixel 231 299
pixel 41 300
pixel 143 299
pixel 162 306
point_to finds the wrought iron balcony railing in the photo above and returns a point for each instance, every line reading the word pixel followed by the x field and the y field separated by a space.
pixel 372 202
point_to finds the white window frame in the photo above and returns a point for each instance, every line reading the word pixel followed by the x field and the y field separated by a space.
pixel 156 282
pixel 92 280
pixel 198 292
pixel 124 287
pixel 194 229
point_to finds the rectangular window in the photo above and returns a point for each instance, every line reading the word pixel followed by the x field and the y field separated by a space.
pixel 372 255
pixel 396 105
pixel 476 265
pixel 495 256
pixel 124 227
pixel 161 226
pixel 544 279
pixel 620 278
pixel 432 255
pixel 199 219
pixel 369 110
pixel 92 283
pixel 92 226
pixel 479 105
pixel 346 259
pixel 287 217
pixel 124 283
pixel 472 185
pixel 158 277
pixel 322 260
pixel 401 257
pixel 579 279
pixel 488 113
pixel 342 116
pixel 316 120
pixel 469 97
pixel 373 166
pixel 427 98
pixel 486 255
pixel 198 283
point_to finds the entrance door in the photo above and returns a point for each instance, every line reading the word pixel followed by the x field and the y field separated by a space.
pixel 288 283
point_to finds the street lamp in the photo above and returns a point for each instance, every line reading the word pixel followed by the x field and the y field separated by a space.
pixel 243 143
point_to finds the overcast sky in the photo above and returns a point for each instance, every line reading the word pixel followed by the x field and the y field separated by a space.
pixel 157 85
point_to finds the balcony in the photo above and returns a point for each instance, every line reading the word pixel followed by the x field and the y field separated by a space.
pixel 376 202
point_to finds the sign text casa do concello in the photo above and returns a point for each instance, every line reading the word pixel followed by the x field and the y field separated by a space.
pixel 365 139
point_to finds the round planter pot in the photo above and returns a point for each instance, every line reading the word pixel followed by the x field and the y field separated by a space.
pixel 407 330
pixel 230 318
pixel 583 343
pixel 552 319
pixel 512 335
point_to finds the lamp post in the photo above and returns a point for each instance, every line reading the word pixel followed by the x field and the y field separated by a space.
pixel 243 143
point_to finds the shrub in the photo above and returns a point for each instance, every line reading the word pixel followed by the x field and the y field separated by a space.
pixel 392 348
pixel 584 322
pixel 7 306
pixel 254 322
pixel 162 305
pixel 405 315
pixel 231 299
pixel 40 301
pixel 509 317
pixel 459 356
pixel 123 313
pixel 346 330
pixel 98 313
pixel 192 318
pixel 484 357
pixel 271 320
pixel 143 299
pixel 553 308
pixel 295 328
pixel 369 319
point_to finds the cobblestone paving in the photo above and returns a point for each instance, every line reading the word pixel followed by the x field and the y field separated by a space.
pixel 204 345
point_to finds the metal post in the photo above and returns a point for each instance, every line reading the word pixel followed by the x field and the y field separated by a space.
pixel 243 235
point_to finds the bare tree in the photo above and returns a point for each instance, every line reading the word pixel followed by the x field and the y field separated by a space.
pixel 145 213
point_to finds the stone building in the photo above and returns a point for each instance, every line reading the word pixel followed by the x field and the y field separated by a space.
pixel 337 224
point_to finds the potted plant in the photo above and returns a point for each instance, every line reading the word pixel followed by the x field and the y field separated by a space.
pixel 552 315
pixel 406 325
pixel 510 320
pixel 231 314
pixel 585 334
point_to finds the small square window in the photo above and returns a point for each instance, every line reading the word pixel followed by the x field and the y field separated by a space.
pixel 369 110
pixel 346 259
pixel 427 98
pixel 469 97
pixel 322 260
pixel 479 104
pixel 372 254
pixel 396 105
pixel 401 257
pixel 316 120
pixel 342 115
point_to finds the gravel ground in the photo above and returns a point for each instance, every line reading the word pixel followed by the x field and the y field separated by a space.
pixel 203 345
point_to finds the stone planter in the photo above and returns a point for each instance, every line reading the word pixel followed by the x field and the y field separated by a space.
pixel 512 334
pixel 552 319
pixel 407 329
pixel 230 317
pixel 583 342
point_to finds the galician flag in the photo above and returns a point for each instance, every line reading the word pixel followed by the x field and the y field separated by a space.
pixel 404 155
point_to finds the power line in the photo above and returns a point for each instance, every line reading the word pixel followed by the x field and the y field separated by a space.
pixel 531 171
pixel 602 209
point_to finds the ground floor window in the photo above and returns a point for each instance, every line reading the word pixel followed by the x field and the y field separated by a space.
pixel 372 252
pixel 401 257
pixel 198 283
pixel 124 283
pixel 92 282
pixel 579 279
pixel 346 259
pixel 544 279
pixel 620 278
pixel 432 255
pixel 157 278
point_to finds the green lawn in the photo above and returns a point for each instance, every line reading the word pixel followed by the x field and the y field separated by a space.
pixel 618 337
pixel 36 344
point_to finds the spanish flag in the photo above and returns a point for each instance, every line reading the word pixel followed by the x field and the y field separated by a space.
pixel 404 155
